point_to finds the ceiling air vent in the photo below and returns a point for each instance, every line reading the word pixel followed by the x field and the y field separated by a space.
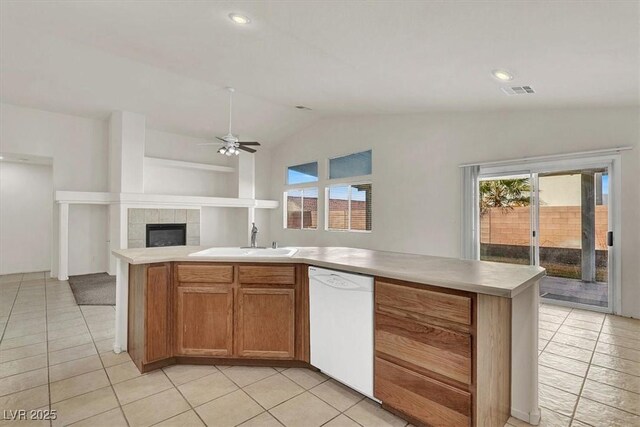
pixel 518 90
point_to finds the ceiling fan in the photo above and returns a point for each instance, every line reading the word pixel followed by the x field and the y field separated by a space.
pixel 231 144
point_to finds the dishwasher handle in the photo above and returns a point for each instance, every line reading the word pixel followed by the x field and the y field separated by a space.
pixel 337 281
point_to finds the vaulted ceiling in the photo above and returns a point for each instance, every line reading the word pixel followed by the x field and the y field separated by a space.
pixel 171 60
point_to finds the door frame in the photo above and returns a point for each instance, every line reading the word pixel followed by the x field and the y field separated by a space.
pixel 532 167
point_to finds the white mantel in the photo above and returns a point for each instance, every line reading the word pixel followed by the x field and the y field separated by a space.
pixel 121 202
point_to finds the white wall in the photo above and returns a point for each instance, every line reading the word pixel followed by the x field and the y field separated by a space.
pixel 79 148
pixel 88 247
pixel 26 202
pixel 182 181
pixel 417 182
pixel 223 226
pixel 561 190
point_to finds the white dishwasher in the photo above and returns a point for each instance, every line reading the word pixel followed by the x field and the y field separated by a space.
pixel 341 326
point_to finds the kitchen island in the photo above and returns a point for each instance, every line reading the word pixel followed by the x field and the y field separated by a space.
pixel 455 340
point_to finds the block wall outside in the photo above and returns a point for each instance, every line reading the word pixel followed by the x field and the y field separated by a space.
pixel 560 226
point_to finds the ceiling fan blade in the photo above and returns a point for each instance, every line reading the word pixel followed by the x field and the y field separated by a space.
pixel 210 143
pixel 249 143
pixel 247 149
pixel 223 140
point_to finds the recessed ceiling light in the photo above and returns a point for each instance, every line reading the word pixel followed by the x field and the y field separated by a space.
pixel 502 75
pixel 1 157
pixel 239 19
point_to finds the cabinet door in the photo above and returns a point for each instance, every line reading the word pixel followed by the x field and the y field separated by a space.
pixel 266 323
pixel 204 321
pixel 157 345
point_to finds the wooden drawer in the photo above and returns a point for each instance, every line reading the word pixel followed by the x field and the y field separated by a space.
pixel 455 308
pixel 267 274
pixel 432 402
pixel 190 273
pixel 425 348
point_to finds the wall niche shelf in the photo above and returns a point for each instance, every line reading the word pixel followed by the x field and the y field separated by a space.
pixel 156 161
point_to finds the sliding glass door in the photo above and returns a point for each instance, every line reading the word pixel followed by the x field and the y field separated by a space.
pixel 555 217
pixel 506 219
pixel 573 224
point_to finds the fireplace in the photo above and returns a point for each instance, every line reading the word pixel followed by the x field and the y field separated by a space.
pixel 166 235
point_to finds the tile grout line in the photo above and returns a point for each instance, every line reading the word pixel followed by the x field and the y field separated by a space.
pixel 589 364
pixel 4 331
pixel 104 370
pixel 252 398
pixel 192 408
pixel 586 374
pixel 46 333
pixel 550 339
pixel 610 406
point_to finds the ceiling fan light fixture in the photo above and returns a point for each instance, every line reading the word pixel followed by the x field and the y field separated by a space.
pixel 239 19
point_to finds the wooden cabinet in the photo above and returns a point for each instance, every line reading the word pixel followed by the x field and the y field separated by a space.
pixel 204 320
pixel 238 311
pixel 266 323
pixel 425 348
pixel 158 294
pixel 149 329
pixel 188 312
pixel 428 400
pixel 442 356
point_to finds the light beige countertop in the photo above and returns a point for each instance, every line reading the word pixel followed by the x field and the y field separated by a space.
pixel 491 278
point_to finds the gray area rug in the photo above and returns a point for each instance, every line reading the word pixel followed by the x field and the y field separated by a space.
pixel 94 289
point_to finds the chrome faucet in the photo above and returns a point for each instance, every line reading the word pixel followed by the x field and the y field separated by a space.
pixel 254 234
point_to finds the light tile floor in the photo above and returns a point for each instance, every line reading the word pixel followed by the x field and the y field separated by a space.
pixel 57 355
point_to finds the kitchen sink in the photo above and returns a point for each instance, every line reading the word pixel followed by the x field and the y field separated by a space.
pixel 245 252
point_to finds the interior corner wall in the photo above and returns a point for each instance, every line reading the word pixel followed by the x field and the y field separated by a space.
pixel 79 148
pixel 26 204
pixel 417 181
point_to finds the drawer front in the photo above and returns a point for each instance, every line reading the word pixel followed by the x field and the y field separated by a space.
pixel 267 274
pixel 205 273
pixel 425 348
pixel 428 400
pixel 454 308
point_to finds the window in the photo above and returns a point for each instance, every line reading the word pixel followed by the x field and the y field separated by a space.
pixel 349 207
pixel 358 164
pixel 301 208
pixel 300 174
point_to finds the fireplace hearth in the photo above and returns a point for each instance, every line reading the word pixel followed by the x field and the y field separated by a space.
pixel 166 235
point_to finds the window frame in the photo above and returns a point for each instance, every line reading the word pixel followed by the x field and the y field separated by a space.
pixel 341 182
pixel 285 209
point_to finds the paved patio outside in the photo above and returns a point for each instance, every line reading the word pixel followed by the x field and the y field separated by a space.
pixel 573 290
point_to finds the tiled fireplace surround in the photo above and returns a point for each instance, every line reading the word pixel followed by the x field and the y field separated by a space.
pixel 140 217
